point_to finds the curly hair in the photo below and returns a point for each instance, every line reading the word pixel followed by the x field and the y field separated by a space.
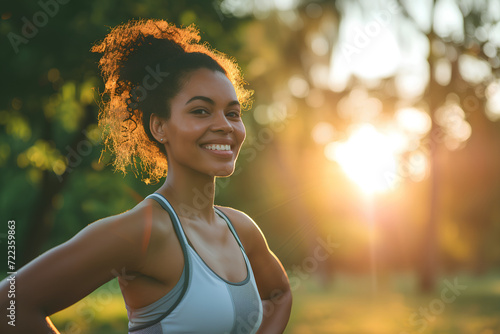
pixel 144 65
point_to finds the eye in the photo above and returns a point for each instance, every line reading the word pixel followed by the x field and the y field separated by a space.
pixel 234 113
pixel 199 112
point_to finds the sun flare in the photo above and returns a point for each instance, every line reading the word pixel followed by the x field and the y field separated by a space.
pixel 369 158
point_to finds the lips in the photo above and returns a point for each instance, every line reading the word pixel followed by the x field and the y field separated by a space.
pixel 220 148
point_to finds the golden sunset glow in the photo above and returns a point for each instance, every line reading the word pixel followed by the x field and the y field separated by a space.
pixel 368 157
pixel 369 164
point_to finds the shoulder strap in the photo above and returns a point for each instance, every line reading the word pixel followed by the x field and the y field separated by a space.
pixel 173 216
pixel 177 224
pixel 185 272
pixel 233 231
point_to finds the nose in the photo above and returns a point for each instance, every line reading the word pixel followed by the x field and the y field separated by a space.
pixel 221 123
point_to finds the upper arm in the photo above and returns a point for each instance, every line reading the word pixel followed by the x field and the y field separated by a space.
pixel 270 275
pixel 70 271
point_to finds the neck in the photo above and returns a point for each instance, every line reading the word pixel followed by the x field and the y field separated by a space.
pixel 191 193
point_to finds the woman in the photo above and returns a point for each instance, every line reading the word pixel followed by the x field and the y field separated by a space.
pixel 184 265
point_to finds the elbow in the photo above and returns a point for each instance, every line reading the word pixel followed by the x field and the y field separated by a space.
pixel 287 300
pixel 290 297
pixel 18 307
pixel 284 297
pixel 281 299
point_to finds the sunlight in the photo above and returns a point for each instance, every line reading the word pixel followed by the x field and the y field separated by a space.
pixel 368 157
pixel 413 121
pixel 367 49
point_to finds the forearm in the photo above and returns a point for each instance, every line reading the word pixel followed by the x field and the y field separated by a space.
pixel 276 312
pixel 37 324
pixel 18 315
pixel 28 322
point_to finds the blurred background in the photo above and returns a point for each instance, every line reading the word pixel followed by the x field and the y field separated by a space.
pixel 372 161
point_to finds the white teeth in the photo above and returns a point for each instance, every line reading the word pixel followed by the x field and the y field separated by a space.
pixel 217 147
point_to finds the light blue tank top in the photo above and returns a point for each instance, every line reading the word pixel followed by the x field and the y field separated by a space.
pixel 201 301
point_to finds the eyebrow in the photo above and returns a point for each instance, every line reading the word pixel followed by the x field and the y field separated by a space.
pixel 209 100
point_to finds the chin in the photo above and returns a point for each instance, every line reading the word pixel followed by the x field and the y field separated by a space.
pixel 224 172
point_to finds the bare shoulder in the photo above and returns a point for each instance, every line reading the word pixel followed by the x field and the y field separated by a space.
pixel 95 255
pixel 239 219
pixel 142 226
pixel 248 231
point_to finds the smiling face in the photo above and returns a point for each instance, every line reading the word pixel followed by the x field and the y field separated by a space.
pixel 204 132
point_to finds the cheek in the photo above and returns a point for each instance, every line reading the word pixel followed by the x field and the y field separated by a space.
pixel 240 132
pixel 184 132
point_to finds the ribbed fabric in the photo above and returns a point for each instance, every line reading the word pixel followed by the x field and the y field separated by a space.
pixel 201 301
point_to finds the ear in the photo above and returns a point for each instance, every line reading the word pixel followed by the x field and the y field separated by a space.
pixel 157 127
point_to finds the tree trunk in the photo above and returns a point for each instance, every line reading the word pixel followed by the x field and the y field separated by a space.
pixel 429 244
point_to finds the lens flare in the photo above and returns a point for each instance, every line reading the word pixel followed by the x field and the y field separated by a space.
pixel 369 158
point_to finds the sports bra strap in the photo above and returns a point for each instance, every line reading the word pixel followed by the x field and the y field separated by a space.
pixel 233 231
pixel 173 216
pixel 186 272
pixel 177 224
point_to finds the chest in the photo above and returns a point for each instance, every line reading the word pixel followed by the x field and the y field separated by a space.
pixel 216 248
pixel 219 250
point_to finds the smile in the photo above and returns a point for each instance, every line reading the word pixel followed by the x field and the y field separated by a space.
pixel 217 147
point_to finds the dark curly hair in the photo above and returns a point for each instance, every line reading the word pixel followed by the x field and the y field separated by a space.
pixel 144 65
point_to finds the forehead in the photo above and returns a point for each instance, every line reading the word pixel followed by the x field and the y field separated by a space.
pixel 209 83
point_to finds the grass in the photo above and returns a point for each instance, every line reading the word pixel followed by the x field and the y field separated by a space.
pixel 347 305
pixel 351 305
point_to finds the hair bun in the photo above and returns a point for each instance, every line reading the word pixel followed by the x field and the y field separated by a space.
pixel 149 51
